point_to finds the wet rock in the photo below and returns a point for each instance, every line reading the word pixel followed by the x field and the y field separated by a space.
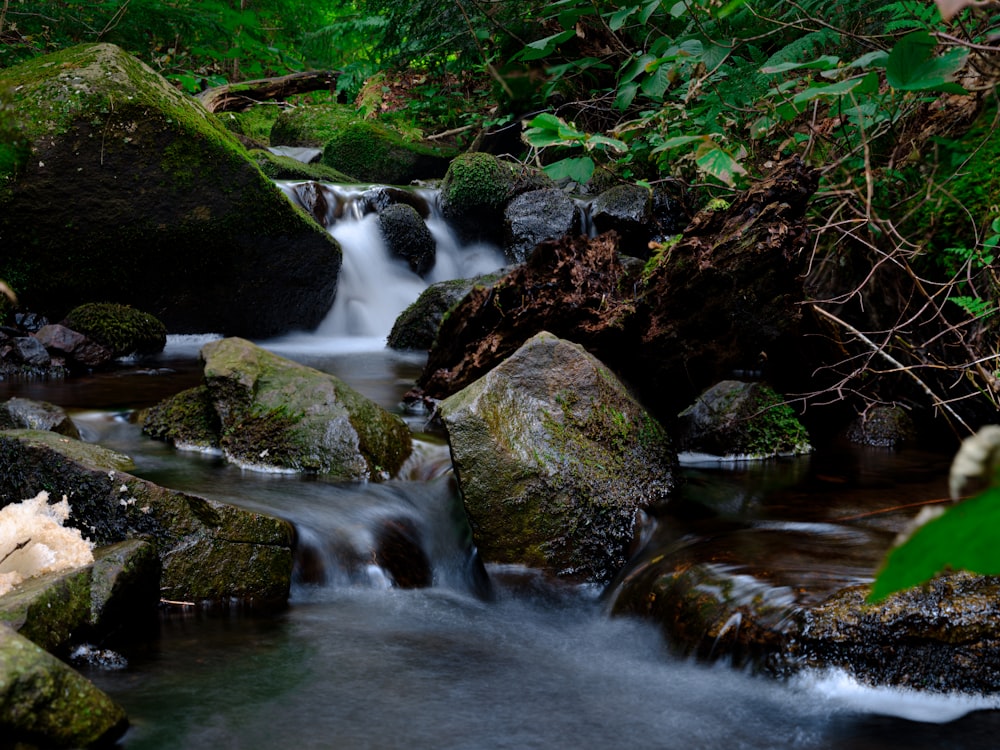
pixel 128 182
pixel 186 420
pixel 119 590
pixel 273 413
pixel 43 702
pixel 749 420
pixel 670 212
pixel 406 236
pixel 536 216
pixel 941 636
pixel 285 168
pixel 628 210
pixel 883 427
pixel 77 350
pixel 312 198
pixel 378 198
pixel 417 326
pixel 210 551
pixel 474 192
pixel 556 461
pixel 399 551
pixel 31 352
pixel 22 413
pixel 121 328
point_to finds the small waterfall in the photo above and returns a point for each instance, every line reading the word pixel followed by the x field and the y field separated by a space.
pixel 374 287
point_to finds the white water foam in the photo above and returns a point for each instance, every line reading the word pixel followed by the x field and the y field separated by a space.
pixel 842 690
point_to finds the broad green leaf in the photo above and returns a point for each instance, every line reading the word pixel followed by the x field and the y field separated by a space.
pixel 619 17
pixel 626 95
pixel 913 66
pixel 544 47
pixel 830 90
pixel 635 66
pixel 729 8
pixel 876 59
pixel 648 10
pixel 964 538
pixel 579 169
pixel 712 160
pixel 827 62
pixel 546 121
pixel 655 86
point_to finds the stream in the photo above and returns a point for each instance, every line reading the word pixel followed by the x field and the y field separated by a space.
pixel 356 663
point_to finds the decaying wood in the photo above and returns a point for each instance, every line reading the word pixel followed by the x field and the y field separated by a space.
pixel 239 97
pixel 727 292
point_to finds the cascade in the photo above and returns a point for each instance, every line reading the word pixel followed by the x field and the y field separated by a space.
pixel 374 287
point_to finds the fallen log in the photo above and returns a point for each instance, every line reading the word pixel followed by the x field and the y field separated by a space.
pixel 239 97
pixel 715 301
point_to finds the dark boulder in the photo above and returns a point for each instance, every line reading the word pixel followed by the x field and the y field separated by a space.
pixel 535 216
pixel 406 236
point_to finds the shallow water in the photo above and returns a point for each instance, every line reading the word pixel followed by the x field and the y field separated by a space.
pixel 354 663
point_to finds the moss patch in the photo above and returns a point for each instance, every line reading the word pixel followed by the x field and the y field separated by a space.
pixel 122 329
pixel 373 153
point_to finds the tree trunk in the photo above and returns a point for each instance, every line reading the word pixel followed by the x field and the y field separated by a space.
pixel 239 97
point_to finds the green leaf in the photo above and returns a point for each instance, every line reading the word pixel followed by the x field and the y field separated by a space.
pixel 964 538
pixel 579 169
pixel 626 95
pixel 913 66
pixel 713 160
pixel 827 62
pixel 648 11
pixel 619 17
pixel 637 65
pixel 604 141
pixel 678 140
pixel 544 47
pixel 656 85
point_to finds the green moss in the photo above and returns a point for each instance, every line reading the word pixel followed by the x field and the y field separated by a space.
pixel 373 153
pixel 186 419
pixel 122 329
pixel 255 123
pixel 311 126
pixel 774 428
pixel 475 181
pixel 286 168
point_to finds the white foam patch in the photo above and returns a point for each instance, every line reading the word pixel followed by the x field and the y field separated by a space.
pixel 843 690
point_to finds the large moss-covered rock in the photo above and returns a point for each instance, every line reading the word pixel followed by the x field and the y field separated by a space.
pixel 311 126
pixel 131 192
pixel 209 551
pixel 556 461
pixel 121 587
pixel 747 420
pixel 474 192
pixel 373 153
pixel 45 703
pixel 277 414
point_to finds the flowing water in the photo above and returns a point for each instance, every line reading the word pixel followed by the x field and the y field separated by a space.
pixel 518 663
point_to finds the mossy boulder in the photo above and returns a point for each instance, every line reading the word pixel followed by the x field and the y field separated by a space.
pixel 120 328
pixel 883 427
pixel 311 126
pixel 417 326
pixel 121 588
pixel 373 153
pixel 474 192
pixel 747 420
pixel 45 703
pixel 556 461
pixel 134 193
pixel 209 551
pixel 406 236
pixel 273 413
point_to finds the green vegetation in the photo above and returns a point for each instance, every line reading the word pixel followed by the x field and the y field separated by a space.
pixel 121 328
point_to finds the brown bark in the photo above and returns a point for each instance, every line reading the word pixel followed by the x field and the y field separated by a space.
pixel 729 290
pixel 239 97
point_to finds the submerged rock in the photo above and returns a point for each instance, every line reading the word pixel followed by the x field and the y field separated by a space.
pixel 746 420
pixel 209 551
pixel 556 461
pixel 267 412
pixel 43 702
pixel 123 185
